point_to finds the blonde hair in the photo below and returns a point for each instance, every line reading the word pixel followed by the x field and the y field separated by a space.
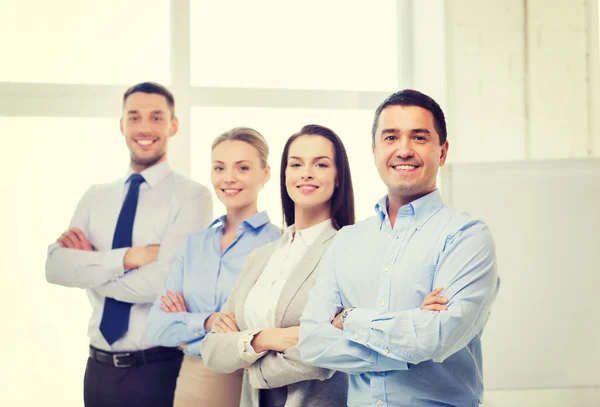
pixel 247 135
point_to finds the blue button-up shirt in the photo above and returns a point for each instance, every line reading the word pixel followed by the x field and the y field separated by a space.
pixel 396 353
pixel 205 277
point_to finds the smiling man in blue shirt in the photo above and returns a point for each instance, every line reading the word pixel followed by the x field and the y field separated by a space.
pixel 364 317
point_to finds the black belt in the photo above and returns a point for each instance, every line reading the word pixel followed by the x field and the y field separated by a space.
pixel 134 358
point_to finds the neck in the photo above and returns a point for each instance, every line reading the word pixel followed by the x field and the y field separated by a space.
pixel 139 167
pixel 397 201
pixel 235 216
pixel 307 217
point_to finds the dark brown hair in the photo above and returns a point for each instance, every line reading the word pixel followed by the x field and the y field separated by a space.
pixel 342 201
pixel 152 87
pixel 410 97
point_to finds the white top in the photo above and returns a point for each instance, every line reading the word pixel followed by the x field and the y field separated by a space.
pixel 259 309
pixel 170 206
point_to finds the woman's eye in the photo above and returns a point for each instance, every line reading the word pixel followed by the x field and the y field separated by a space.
pixel 218 168
pixel 244 168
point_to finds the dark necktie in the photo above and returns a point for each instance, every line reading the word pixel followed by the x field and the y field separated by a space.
pixel 115 317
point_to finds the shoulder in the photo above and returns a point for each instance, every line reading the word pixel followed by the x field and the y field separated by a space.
pixel 97 191
pixel 459 225
pixel 198 236
pixel 265 250
pixel 188 189
pixel 358 230
pixel 271 231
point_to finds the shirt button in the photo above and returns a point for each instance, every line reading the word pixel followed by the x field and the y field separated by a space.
pixel 382 303
pixel 387 350
pixel 196 334
pixel 379 402
pixel 387 269
pixel 355 336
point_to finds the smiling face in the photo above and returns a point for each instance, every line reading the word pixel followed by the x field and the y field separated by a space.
pixel 147 125
pixel 407 152
pixel 238 174
pixel 311 174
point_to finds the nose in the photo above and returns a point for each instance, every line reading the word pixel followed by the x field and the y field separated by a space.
pixel 307 172
pixel 229 176
pixel 145 128
pixel 404 148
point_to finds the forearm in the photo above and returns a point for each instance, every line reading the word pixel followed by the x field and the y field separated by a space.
pixel 138 286
pixel 416 335
pixel 277 369
pixel 174 328
pixel 83 268
pixel 325 346
pixel 221 352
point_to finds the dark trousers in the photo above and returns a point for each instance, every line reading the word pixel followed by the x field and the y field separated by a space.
pixel 147 385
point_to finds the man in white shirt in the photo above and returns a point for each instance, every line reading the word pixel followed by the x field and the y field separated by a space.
pixel 119 247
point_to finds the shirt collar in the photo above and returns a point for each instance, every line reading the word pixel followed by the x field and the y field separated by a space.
pixel 422 208
pixel 309 235
pixel 152 175
pixel 253 221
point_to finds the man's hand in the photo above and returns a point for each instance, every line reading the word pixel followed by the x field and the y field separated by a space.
pixel 337 321
pixel 74 238
pixel 173 302
pixel 435 302
pixel 140 256
pixel 226 323
pixel 276 339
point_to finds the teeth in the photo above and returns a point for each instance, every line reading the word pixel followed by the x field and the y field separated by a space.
pixel 404 167
pixel 145 142
pixel 231 191
pixel 308 187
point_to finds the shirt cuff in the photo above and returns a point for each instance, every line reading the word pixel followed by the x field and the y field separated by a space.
pixel 195 322
pixel 114 259
pixel 193 348
pixel 245 349
pixel 358 321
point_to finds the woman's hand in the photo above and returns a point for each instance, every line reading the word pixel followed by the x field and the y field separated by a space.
pixel 276 339
pixel 435 302
pixel 173 302
pixel 225 322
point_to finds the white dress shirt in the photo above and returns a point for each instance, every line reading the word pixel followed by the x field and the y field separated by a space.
pixel 259 309
pixel 170 206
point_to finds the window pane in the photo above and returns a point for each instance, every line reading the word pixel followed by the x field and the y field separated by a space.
pixel 353 127
pixel 75 41
pixel 49 164
pixel 313 44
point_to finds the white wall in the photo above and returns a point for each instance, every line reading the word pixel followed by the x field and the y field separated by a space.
pixel 522 77
pixel 523 84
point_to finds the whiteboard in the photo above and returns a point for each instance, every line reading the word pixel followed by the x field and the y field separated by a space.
pixel 545 220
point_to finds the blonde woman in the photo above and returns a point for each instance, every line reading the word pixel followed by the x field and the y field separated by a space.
pixel 208 265
pixel 268 299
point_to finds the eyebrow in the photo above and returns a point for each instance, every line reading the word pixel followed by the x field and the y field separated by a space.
pixel 237 162
pixel 130 112
pixel 314 159
pixel 412 131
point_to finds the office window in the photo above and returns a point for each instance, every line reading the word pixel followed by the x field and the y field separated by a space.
pixel 334 45
pixel 75 41
pixel 276 125
pixel 48 164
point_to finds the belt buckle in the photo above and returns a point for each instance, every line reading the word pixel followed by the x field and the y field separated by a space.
pixel 116 357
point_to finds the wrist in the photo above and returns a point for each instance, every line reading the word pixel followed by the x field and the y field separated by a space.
pixel 260 341
pixel 344 315
pixel 129 259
